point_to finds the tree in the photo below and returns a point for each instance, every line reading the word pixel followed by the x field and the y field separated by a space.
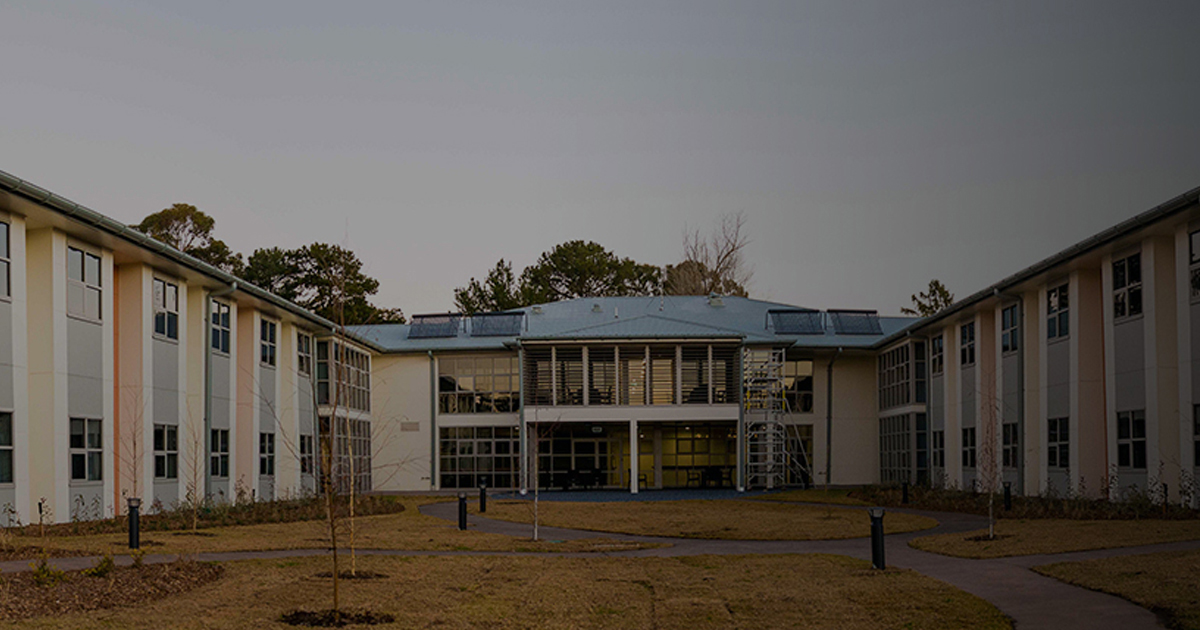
pixel 930 302
pixel 585 269
pixel 323 278
pixel 714 264
pixel 499 291
pixel 186 228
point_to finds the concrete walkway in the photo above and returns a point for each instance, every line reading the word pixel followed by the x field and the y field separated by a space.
pixel 1030 599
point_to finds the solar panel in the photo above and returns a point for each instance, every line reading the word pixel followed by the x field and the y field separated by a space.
pixel 433 326
pixel 797 322
pixel 496 324
pixel 855 322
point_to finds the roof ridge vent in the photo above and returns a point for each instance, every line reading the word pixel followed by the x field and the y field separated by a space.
pixel 715 299
pixel 596 308
pixel 537 310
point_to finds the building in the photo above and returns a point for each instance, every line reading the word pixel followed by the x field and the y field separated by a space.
pixel 128 368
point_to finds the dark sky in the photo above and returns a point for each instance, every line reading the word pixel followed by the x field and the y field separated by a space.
pixel 872 145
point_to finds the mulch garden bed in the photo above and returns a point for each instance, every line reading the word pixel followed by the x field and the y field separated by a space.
pixel 22 597
pixel 330 619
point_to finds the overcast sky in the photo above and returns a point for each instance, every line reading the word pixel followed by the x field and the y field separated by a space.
pixel 872 146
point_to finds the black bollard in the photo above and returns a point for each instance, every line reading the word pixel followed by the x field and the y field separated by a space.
pixel 904 493
pixel 1007 496
pixel 876 538
pixel 462 511
pixel 482 497
pixel 134 524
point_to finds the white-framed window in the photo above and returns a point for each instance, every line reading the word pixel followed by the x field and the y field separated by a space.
pixel 166 451
pixel 1058 321
pixel 87 449
pixel 268 331
pixel 1058 443
pixel 220 327
pixel 83 284
pixel 968 447
pixel 1127 287
pixel 1010 444
pixel 6 447
pixel 1131 439
pixel 937 354
pixel 266 454
pixel 220 453
pixel 336 361
pixel 939 449
pixel 166 309
pixel 1196 435
pixel 1009 329
pixel 966 349
pixel 5 262
pixel 307 457
pixel 798 385
pixel 895 377
pixel 304 354
pixel 1195 269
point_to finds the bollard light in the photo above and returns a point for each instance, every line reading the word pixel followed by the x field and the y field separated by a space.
pixel 1007 496
pixel 462 511
pixel 135 505
pixel 877 561
pixel 482 497
pixel 904 493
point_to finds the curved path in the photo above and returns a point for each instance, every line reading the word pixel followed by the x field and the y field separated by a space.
pixel 1030 599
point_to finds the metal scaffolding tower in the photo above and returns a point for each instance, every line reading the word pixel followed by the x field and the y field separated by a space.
pixel 770 455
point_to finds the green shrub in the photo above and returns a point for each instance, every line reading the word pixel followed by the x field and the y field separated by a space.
pixel 105 566
pixel 45 575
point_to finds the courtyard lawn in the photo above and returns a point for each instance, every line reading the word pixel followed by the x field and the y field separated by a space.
pixel 406 530
pixel 1166 583
pixel 813 495
pixel 1041 536
pixel 811 591
pixel 712 519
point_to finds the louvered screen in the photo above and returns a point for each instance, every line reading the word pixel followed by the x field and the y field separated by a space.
pixel 602 373
pixel 695 375
pixel 726 388
pixel 632 369
pixel 569 366
pixel 662 375
pixel 538 375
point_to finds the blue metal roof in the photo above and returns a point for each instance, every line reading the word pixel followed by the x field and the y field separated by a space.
pixel 637 318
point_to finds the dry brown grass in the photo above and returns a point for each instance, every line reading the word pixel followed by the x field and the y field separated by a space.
pixel 508 592
pixel 733 520
pixel 407 530
pixel 814 495
pixel 1166 583
pixel 1031 537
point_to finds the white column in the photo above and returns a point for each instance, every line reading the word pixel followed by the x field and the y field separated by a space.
pixel 633 456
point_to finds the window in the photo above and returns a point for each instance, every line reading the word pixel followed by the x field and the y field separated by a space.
pixel 266 454
pixel 1058 321
pixel 306 455
pixel 166 451
pixel 1011 441
pixel 5 261
pixel 1127 287
pixel 939 449
pixel 1058 443
pixel 267 342
pixel 87 454
pixel 336 360
pixel 1195 265
pixel 894 450
pixel 1131 440
pixel 894 376
pixel 220 453
pixel 482 384
pixel 1195 434
pixel 473 455
pixel 937 354
pixel 350 450
pixel 920 381
pixel 798 386
pixel 220 327
pixel 83 284
pixel 966 348
pixel 304 358
pixel 6 448
pixel 968 447
pixel 166 309
pixel 1009 321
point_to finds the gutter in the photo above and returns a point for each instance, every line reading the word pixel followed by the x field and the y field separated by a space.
pixel 106 224
pixel 208 384
pixel 1124 228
